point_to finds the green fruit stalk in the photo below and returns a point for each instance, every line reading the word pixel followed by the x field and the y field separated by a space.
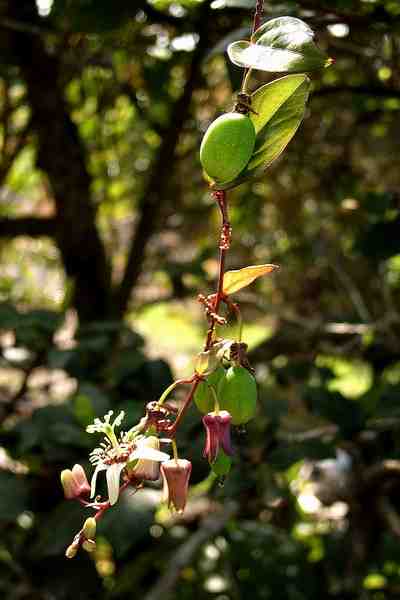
pixel 204 398
pixel 227 146
pixel 238 394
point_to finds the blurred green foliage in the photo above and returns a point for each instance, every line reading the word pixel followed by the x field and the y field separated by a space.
pixel 315 478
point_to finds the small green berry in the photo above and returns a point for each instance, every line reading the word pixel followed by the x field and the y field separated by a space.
pixel 227 146
pixel 204 398
pixel 222 464
pixel 238 394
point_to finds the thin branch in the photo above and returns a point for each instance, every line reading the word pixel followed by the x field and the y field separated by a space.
pixel 28 226
pixel 21 27
pixel 366 90
pixel 210 527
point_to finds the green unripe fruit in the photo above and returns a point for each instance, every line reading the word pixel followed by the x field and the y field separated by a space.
pixel 227 146
pixel 238 395
pixel 222 464
pixel 203 397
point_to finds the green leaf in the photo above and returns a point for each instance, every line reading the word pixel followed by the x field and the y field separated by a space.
pixel 281 44
pixel 222 464
pixel 236 280
pixel 279 109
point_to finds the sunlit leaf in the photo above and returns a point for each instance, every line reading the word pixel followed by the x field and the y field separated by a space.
pixel 279 109
pixel 282 44
pixel 236 280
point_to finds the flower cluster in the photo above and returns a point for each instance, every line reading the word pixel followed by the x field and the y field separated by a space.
pixel 131 458
pixel 137 454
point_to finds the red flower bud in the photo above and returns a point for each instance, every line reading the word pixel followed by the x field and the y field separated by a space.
pixel 176 474
pixel 218 434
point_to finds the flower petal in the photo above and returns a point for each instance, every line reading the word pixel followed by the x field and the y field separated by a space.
pixel 143 451
pixel 100 467
pixel 113 475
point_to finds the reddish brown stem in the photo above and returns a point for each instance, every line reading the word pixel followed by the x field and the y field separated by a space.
pixel 222 256
pixel 106 505
pixel 258 14
pixel 173 429
pixel 101 507
pixel 220 198
pixel 225 239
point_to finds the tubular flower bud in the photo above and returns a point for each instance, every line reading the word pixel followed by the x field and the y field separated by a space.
pixel 75 483
pixel 145 468
pixel 89 528
pixel 72 550
pixel 218 434
pixel 176 474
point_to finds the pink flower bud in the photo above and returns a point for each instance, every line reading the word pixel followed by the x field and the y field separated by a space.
pixel 75 483
pixel 218 434
pixel 176 474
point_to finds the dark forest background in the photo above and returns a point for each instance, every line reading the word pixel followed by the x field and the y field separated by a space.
pixel 107 235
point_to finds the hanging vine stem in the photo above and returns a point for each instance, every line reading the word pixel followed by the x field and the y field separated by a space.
pixel 224 244
pixel 258 15
pixel 212 304
pixel 220 197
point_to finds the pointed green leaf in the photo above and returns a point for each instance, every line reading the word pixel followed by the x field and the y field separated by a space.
pixel 280 107
pixel 236 280
pixel 284 44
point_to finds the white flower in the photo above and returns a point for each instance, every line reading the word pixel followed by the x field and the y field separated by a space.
pixel 145 469
pixel 106 427
pixel 114 459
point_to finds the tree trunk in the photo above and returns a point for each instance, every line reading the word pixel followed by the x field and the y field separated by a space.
pixel 61 156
